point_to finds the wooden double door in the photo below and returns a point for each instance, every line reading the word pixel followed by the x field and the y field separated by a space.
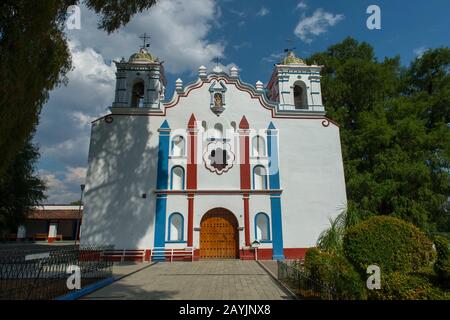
pixel 219 236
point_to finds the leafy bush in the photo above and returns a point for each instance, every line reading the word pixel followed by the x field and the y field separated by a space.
pixel 403 286
pixel 390 243
pixel 442 264
pixel 335 272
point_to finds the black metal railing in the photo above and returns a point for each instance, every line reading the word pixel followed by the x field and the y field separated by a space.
pixel 42 273
pixel 292 274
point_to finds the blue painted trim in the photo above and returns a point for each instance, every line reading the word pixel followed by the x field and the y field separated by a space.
pixel 161 183
pixel 160 221
pixel 171 177
pixel 267 224
pixel 272 151
pixel 86 290
pixel 182 228
pixel 275 199
pixel 265 176
pixel 165 125
pixel 277 229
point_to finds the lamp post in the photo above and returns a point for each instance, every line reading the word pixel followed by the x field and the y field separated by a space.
pixel 255 245
pixel 79 211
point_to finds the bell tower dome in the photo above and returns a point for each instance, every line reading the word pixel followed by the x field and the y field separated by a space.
pixel 140 81
pixel 295 86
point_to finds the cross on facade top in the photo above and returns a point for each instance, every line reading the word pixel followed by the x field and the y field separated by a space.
pixel 290 47
pixel 217 61
pixel 144 38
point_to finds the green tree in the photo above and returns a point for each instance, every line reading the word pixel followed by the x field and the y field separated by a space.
pixel 394 134
pixel 20 188
pixel 35 59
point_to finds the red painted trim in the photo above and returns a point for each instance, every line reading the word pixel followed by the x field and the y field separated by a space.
pixel 246 220
pixel 294 253
pixel 191 176
pixel 147 255
pixel 249 254
pixel 273 116
pixel 266 253
pixel 244 254
pixel 239 85
pixel 244 123
pixel 223 191
pixel 244 151
pixel 192 153
pixel 190 226
pixel 51 239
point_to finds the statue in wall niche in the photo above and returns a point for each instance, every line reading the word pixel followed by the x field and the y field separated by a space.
pixel 218 100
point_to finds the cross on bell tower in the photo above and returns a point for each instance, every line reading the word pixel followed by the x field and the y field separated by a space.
pixel 144 38
pixel 290 48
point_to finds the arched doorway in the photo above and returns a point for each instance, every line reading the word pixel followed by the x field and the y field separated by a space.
pixel 219 236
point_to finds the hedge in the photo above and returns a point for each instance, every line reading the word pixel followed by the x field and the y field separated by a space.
pixel 335 272
pixel 391 243
pixel 403 286
pixel 442 264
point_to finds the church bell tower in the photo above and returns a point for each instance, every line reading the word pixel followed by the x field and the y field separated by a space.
pixel 295 86
pixel 140 81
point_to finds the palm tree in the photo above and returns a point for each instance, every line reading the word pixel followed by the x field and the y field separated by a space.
pixel 330 240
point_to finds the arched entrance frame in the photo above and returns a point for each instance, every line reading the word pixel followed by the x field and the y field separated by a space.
pixel 219 235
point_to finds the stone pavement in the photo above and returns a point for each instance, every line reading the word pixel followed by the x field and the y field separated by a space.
pixel 209 280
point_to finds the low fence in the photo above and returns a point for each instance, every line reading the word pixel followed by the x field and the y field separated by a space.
pixel 292 275
pixel 38 274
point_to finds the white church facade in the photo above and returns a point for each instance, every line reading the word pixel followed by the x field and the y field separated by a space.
pixel 221 167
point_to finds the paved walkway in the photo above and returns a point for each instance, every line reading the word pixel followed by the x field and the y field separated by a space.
pixel 209 280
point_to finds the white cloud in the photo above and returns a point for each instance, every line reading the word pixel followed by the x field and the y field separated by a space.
pixel 178 31
pixel 76 175
pixel 244 44
pixel 51 181
pixel 301 6
pixel 240 14
pixel 274 57
pixel 179 36
pixel 59 190
pixel 63 132
pixel 420 51
pixel 318 23
pixel 263 12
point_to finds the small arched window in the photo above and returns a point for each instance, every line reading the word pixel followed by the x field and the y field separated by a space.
pixel 262 227
pixel 300 96
pixel 137 95
pixel 258 146
pixel 178 146
pixel 177 178
pixel 176 227
pixel 259 178
pixel 218 131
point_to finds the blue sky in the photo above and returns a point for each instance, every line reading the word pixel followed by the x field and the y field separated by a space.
pixel 186 34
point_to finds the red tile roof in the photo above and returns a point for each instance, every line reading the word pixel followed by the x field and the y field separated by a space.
pixel 55 214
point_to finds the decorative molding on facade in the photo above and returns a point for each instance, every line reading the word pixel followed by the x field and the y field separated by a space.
pixel 214 191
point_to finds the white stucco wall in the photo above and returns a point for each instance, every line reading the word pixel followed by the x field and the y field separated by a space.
pixel 123 160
